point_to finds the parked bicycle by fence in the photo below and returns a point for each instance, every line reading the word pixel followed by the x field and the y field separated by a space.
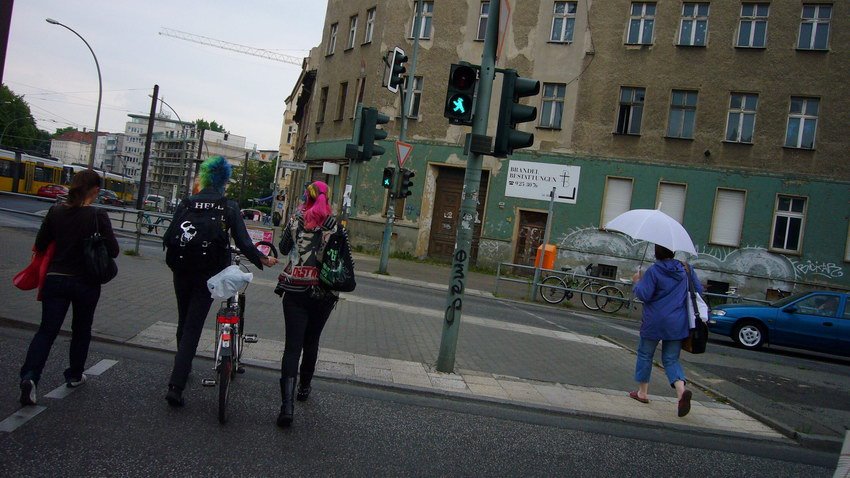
pixel 231 337
pixel 593 293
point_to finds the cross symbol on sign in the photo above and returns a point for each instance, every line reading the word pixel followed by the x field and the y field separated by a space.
pixel 458 104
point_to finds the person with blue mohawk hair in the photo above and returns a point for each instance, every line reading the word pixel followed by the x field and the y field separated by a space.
pixel 198 247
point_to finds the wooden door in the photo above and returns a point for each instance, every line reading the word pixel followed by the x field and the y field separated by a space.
pixel 532 227
pixel 447 202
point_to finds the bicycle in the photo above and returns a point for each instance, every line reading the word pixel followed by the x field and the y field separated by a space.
pixel 154 225
pixel 555 288
pixel 610 298
pixel 231 338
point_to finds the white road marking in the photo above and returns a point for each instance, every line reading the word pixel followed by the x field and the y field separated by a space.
pixel 100 367
pixel 20 417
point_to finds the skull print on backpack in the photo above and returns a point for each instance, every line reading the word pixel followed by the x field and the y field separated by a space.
pixel 197 237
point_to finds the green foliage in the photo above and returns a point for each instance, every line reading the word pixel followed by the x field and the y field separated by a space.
pixel 203 124
pixel 257 183
pixel 17 126
pixel 60 131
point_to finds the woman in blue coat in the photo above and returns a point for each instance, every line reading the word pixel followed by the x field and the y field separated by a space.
pixel 664 291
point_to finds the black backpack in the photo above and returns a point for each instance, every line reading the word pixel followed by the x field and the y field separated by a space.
pixel 197 239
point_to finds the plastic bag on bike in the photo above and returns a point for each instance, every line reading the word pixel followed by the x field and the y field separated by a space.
pixel 228 282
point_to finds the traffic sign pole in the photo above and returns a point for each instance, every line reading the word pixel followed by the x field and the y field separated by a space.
pixel 468 209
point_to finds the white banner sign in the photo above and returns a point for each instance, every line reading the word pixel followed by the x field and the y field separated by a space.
pixel 536 180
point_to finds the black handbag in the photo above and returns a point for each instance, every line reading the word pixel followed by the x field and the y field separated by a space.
pixel 100 268
pixel 337 271
pixel 697 338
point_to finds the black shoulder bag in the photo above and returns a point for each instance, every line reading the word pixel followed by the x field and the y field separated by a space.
pixel 697 339
pixel 100 268
pixel 337 271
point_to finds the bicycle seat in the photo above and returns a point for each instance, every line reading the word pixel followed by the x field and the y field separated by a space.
pixel 566 268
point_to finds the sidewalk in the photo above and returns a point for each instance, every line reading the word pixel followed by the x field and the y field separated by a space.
pixel 394 345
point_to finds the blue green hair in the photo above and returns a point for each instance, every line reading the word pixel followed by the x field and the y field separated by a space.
pixel 214 173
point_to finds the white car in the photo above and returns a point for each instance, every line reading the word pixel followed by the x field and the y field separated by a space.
pixel 154 203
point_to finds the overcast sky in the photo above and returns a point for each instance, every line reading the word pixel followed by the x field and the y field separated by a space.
pixel 55 72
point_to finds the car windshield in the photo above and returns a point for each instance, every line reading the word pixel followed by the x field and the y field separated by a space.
pixel 787 300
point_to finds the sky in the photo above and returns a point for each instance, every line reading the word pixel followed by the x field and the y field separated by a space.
pixel 56 73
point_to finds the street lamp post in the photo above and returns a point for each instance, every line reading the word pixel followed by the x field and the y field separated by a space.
pixel 99 89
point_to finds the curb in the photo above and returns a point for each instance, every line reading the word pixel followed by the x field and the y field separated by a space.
pixel 806 440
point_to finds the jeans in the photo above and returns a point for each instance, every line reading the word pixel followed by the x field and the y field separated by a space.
pixel 670 350
pixel 59 293
pixel 193 305
pixel 305 318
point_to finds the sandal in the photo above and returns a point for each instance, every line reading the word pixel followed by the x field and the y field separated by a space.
pixel 635 395
pixel 685 403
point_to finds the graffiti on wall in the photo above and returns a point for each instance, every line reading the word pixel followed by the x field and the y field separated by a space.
pixel 751 260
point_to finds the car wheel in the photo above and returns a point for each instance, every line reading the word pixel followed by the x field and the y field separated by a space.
pixel 750 335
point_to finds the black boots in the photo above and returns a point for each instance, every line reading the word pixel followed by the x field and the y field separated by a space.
pixel 287 391
pixel 175 396
pixel 303 391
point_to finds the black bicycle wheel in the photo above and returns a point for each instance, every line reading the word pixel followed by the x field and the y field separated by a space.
pixel 225 373
pixel 589 300
pixel 610 299
pixel 549 292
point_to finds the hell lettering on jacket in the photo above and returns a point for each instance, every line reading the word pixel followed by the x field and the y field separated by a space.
pixel 208 205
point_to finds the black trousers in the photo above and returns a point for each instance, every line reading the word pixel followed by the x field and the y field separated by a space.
pixel 193 305
pixel 305 318
pixel 60 292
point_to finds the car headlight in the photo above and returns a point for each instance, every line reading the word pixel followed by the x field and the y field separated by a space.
pixel 719 313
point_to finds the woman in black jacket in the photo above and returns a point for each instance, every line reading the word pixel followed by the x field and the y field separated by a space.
pixel 66 285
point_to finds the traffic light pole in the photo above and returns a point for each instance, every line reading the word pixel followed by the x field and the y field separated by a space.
pixel 405 107
pixel 471 184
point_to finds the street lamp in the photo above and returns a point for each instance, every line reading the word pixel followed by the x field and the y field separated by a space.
pixel 99 89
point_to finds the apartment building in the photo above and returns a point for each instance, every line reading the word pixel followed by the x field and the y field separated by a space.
pixel 729 116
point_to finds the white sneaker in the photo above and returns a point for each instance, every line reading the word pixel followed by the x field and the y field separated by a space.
pixel 76 383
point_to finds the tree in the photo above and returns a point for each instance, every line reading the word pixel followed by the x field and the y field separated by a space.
pixel 202 124
pixel 17 126
pixel 60 131
pixel 257 182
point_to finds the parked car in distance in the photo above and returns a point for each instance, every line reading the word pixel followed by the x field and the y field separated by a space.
pixel 818 321
pixel 52 191
pixel 252 214
pixel 105 196
pixel 154 202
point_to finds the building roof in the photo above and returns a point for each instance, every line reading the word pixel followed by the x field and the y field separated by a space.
pixel 78 136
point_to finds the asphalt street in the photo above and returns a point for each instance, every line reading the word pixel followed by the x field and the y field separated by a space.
pixel 119 425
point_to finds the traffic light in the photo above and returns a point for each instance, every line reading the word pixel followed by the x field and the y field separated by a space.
pixel 369 133
pixel 395 69
pixel 461 89
pixel 389 176
pixel 512 113
pixel 405 183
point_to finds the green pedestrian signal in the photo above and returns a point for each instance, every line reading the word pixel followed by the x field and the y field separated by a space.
pixel 389 175
pixel 463 79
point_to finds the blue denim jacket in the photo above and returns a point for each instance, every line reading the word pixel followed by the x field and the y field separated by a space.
pixel 663 289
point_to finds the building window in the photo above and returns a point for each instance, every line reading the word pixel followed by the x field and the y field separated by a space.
pixel 683 112
pixel 617 198
pixel 323 104
pixel 563 22
pixel 482 20
pixel 693 30
pixel 370 25
pixel 290 134
pixel 553 105
pixel 814 27
pixel 425 24
pixel 332 40
pixel 671 200
pixel 343 93
pixel 352 31
pixel 631 110
pixel 641 23
pixel 413 112
pixel 802 123
pixel 752 30
pixel 361 88
pixel 742 117
pixel 788 223
pixel 727 221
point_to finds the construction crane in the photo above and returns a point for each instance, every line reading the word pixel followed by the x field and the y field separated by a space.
pixel 267 54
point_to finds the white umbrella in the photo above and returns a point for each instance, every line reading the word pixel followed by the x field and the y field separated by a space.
pixel 653 226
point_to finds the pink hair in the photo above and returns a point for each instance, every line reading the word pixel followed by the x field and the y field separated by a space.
pixel 316 210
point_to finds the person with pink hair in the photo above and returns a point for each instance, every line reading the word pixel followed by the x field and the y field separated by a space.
pixel 307 304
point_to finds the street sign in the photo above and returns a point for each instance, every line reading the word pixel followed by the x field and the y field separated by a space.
pixel 535 181
pixel 293 165
pixel 402 151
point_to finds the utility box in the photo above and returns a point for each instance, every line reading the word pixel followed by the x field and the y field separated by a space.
pixel 548 256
